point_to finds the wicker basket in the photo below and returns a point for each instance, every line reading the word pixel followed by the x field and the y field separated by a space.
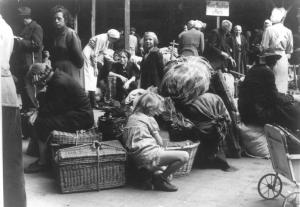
pixel 90 167
pixel 191 148
pixel 80 137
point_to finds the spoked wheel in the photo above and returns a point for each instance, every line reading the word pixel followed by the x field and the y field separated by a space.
pixel 269 186
pixel 292 200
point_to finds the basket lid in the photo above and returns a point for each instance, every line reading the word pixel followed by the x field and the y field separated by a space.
pixel 98 151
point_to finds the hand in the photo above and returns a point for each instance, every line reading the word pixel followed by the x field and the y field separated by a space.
pixel 126 85
pixel 18 38
pixel 33 117
pixel 233 63
pixel 123 79
pixel 92 43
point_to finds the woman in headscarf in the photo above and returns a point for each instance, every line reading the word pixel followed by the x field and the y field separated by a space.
pixel 152 63
pixel 279 39
pixel 186 82
pixel 66 46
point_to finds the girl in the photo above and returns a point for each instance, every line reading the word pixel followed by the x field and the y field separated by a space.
pixel 152 63
pixel 145 145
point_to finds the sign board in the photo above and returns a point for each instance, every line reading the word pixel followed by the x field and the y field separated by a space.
pixel 217 8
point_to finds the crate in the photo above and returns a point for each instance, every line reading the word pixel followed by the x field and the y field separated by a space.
pixel 60 138
pixel 191 148
pixel 91 167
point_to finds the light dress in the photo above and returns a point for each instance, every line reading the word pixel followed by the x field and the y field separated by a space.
pixel 140 142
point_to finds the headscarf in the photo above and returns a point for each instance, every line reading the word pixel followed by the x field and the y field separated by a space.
pixel 278 14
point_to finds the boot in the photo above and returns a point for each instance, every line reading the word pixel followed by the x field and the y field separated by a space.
pixel 160 183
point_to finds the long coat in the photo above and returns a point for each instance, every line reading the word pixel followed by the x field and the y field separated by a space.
pixel 67 53
pixel 152 69
pixel 218 42
pixel 240 54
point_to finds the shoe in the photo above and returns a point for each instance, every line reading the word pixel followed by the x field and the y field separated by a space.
pixel 160 183
pixel 35 167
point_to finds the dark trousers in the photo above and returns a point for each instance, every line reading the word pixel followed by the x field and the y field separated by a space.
pixel 13 176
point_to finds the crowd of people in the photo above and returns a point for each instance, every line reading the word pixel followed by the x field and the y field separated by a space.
pixel 59 85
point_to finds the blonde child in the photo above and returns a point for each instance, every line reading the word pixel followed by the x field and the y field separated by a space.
pixel 145 145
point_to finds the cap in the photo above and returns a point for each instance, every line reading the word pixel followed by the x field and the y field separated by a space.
pixel 113 33
pixel 24 11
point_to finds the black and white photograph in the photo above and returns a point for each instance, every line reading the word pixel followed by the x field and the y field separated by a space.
pixel 150 103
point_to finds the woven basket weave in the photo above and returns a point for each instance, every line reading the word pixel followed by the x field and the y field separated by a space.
pixel 91 167
pixel 78 138
pixel 191 148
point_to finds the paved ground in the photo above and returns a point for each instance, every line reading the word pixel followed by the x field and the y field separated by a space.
pixel 205 188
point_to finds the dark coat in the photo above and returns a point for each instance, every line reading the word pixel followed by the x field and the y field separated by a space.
pixel 65 107
pixel 31 46
pixel 192 42
pixel 260 102
pixel 128 72
pixel 66 53
pixel 218 42
pixel 240 54
pixel 152 69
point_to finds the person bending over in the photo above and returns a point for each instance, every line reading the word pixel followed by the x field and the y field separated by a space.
pixel 65 107
pixel 145 145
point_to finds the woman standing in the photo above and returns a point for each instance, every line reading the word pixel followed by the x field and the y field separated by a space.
pixel 240 49
pixel 152 63
pixel 127 74
pixel 66 46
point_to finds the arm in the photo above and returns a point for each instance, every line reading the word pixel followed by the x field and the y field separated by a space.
pixel 76 51
pixel 201 43
pixel 36 41
pixel 158 138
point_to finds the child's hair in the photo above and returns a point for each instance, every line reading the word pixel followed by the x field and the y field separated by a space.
pixel 149 102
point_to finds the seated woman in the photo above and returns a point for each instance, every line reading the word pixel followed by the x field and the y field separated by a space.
pixel 66 107
pixel 186 82
pixel 260 102
pixel 145 145
pixel 127 74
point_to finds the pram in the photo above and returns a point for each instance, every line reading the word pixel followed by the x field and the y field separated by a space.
pixel 284 163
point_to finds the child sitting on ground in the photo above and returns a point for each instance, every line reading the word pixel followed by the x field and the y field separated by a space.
pixel 145 145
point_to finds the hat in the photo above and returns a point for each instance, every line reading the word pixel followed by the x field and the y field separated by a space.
pixel 24 11
pixel 277 15
pixel 113 33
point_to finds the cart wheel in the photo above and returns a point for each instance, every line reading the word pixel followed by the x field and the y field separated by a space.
pixel 269 186
pixel 292 200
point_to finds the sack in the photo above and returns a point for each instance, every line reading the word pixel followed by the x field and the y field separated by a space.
pixel 254 140
pixel 179 127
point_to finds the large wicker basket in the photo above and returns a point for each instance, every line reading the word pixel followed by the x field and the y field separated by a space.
pixel 191 148
pixel 79 137
pixel 90 167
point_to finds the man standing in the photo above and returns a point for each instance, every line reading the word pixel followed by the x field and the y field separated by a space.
pixel 191 41
pixel 279 39
pixel 220 44
pixel 97 54
pixel 29 46
pixel 13 177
